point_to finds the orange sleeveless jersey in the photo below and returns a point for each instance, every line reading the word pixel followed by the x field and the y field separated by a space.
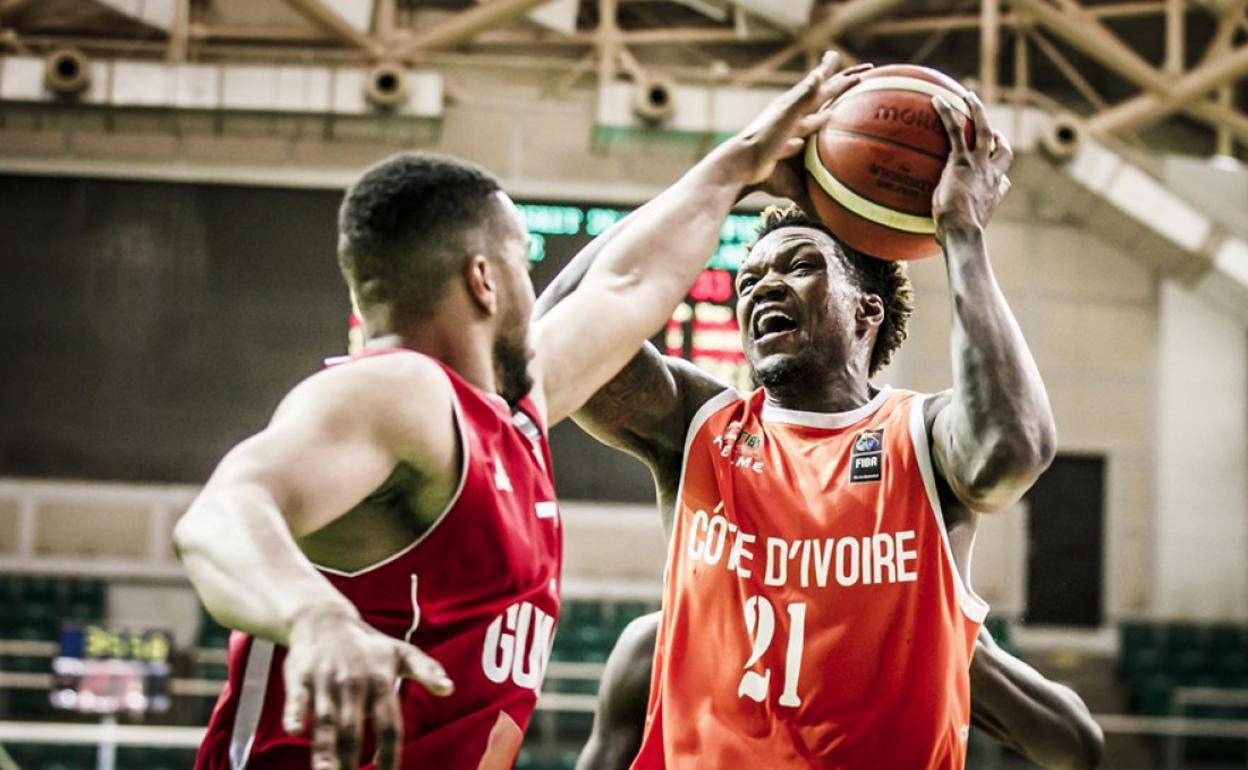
pixel 812 614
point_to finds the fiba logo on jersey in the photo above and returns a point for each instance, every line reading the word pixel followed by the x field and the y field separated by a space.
pixel 509 653
pixel 866 459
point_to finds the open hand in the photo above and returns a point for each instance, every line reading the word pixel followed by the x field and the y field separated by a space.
pixel 779 132
pixel 345 670
pixel 974 181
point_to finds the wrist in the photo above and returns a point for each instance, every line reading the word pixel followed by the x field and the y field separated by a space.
pixel 953 234
pixel 732 164
pixel 308 620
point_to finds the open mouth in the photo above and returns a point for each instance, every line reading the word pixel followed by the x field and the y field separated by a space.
pixel 771 323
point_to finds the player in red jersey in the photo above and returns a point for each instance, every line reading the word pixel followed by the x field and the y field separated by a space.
pixel 396 519
pixel 852 650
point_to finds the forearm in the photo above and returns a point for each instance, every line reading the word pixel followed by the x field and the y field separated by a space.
pixel 653 261
pixel 243 561
pixel 570 277
pixel 1043 720
pixel 1000 425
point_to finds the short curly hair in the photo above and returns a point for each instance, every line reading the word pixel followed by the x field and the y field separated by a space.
pixel 886 279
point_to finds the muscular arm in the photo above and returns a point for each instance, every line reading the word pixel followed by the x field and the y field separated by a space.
pixel 644 408
pixel 630 288
pixel 995 435
pixel 1042 720
pixel 335 439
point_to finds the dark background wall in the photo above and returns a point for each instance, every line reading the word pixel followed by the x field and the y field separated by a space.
pixel 147 327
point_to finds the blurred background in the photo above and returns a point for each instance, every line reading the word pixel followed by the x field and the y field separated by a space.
pixel 169 177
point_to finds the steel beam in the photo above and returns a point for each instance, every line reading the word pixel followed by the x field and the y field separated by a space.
pixel 847 16
pixel 1082 31
pixel 989 48
pixel 325 18
pixel 464 25
pixel 1068 70
pixel 1141 110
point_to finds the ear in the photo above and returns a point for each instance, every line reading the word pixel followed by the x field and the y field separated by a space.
pixel 482 284
pixel 870 312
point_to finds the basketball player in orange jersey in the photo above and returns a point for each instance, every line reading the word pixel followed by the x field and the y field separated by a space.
pixel 396 518
pixel 817 610
pixel 1044 721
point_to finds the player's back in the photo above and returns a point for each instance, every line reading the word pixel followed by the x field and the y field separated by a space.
pixel 475 585
pixel 813 615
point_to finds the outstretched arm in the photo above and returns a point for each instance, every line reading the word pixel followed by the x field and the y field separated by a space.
pixel 335 439
pixel 1046 722
pixel 996 435
pixel 630 289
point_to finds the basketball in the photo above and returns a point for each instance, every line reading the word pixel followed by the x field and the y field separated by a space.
pixel 872 168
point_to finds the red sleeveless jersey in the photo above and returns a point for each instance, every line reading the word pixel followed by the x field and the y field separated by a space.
pixel 813 616
pixel 479 592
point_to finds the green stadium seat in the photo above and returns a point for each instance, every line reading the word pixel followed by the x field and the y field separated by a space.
pixel 1140 644
pixel 525 761
pixel 1153 695
pixel 1182 637
pixel 574 726
pixel 572 686
pixel 565 760
pixel 581 612
pixel 212 634
pixel 1189 666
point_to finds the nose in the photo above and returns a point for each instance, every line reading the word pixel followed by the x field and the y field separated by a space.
pixel 768 285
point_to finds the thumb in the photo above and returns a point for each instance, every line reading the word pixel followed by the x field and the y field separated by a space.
pixel 416 665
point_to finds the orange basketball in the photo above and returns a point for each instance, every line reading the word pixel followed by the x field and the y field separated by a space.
pixel 871 170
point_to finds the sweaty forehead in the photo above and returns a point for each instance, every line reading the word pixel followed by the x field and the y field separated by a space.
pixel 789 239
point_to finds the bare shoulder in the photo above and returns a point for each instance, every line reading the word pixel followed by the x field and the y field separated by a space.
pixel 404 399
pixel 647 407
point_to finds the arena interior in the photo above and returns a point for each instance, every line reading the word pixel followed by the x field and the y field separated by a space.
pixel 170 172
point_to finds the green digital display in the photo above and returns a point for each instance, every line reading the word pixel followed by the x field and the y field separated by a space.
pixel 703 328
pixel 545 220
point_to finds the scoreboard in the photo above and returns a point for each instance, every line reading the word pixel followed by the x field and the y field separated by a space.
pixel 703 329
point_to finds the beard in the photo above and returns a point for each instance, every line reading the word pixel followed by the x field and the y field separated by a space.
pixel 779 372
pixel 511 367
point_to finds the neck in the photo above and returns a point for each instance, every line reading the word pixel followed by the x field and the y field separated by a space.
pixel 465 350
pixel 838 391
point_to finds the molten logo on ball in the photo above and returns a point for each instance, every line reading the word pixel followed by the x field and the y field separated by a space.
pixel 923 118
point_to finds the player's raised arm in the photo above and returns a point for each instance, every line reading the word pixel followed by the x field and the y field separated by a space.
pixel 335 439
pixel 632 286
pixel 995 435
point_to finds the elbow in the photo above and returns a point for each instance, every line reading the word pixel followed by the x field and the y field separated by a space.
pixel 1008 467
pixel 186 535
pixel 1086 746
pixel 1092 740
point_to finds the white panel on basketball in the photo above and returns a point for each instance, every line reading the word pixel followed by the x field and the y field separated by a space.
pixel 915 85
pixel 867 209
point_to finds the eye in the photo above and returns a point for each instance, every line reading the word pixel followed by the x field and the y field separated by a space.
pixel 745 284
pixel 802 264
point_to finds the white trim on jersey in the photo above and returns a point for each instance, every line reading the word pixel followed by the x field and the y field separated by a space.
pixel 465 458
pixel 972 605
pixel 712 405
pixel 250 701
pixel 827 420
pixel 415 612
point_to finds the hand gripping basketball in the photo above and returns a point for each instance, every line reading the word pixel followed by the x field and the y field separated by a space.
pixel 346 671
pixel 974 180
pixel 779 132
